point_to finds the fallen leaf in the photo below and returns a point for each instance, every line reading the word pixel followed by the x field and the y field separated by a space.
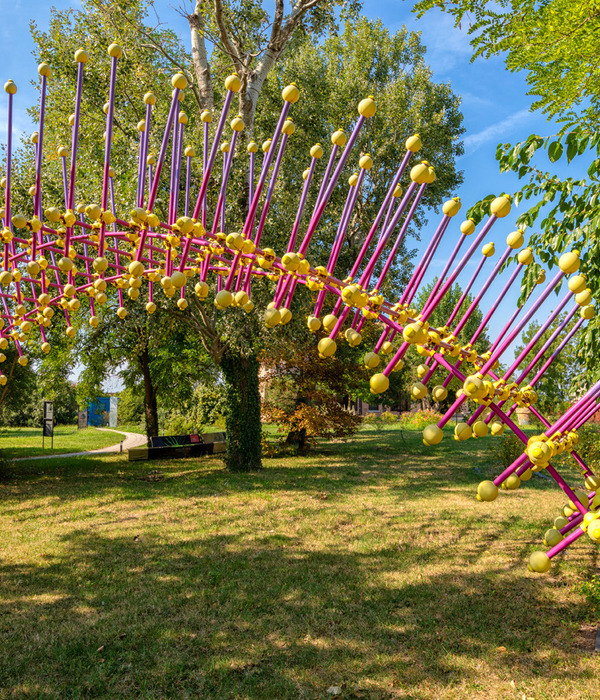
pixel 334 690
pixel 99 649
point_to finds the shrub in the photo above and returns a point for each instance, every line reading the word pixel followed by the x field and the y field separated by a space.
pixel 591 590
pixel 419 419
pixel 506 448
pixel 589 445
pixel 378 421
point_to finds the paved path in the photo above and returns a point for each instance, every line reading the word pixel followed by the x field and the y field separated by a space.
pixel 130 440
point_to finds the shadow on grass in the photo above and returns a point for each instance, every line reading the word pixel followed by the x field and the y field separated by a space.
pixel 219 617
pixel 402 463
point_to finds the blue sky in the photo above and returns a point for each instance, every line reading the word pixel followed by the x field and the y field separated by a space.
pixel 494 102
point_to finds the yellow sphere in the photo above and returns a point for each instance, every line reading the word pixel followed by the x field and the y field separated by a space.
pixel 515 239
pixel 10 87
pixel 182 304
pixel 592 483
pixel 552 537
pixel 313 324
pixel 500 207
pixel 487 490
pixel 224 298
pixel 525 256
pixel 179 81
pixel 512 482
pixel 338 138
pixel 136 268
pixel 569 262
pixel 418 391
pixel 366 162
pixel 432 434
pixel 379 383
pixel 45 70
pixel 439 393
pixel 272 317
pixel 480 428
pixel 413 143
pixel 178 280
pixel 593 530
pixel 451 207
pixel 539 453
pixel 115 51
pixel 327 347
pixel 467 227
pixel 46 347
pixel 290 93
pixel 539 562
pixel 577 284
pixel 150 98
pixel 462 431
pixel 286 315
pixel 497 428
pixel 121 312
pixel 587 312
pixel 81 56
pixel 367 107
pixel 329 322
pixel 583 298
pixel 371 360
pixel 150 307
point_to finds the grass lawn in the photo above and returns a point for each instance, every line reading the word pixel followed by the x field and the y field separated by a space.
pixel 367 566
pixel 27 442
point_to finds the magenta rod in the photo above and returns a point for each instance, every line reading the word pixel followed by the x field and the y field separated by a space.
pixel 163 151
pixel 334 178
pixel 441 293
pixel 419 271
pixel 213 154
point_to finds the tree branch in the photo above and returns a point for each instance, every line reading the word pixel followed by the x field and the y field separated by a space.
pixel 225 38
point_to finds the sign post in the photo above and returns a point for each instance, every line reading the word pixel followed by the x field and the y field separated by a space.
pixel 48 424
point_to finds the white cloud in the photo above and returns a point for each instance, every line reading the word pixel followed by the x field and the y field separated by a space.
pixel 495 131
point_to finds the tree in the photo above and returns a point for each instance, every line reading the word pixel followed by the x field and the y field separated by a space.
pixel 305 396
pixel 397 70
pixel 555 42
pixel 561 381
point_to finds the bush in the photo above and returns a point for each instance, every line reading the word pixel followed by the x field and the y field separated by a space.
pixel 506 448
pixel 419 419
pixel 591 590
pixel 378 421
pixel 589 445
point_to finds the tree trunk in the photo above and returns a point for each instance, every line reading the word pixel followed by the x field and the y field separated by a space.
pixel 242 405
pixel 150 405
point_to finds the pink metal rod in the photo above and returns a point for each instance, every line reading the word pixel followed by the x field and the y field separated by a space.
pixel 163 150
pixel 409 294
pixel 316 217
pixel 446 286
pixel 541 299
pixel 399 239
pixel 284 283
pixel 368 271
pixel 353 192
pixel 464 295
pixel 263 216
pixel 213 154
pixel 107 148
pixel 425 261
pixel 540 354
pixel 555 354
pixel 536 337
pixel 144 157
pixel 486 285
pixel 325 180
